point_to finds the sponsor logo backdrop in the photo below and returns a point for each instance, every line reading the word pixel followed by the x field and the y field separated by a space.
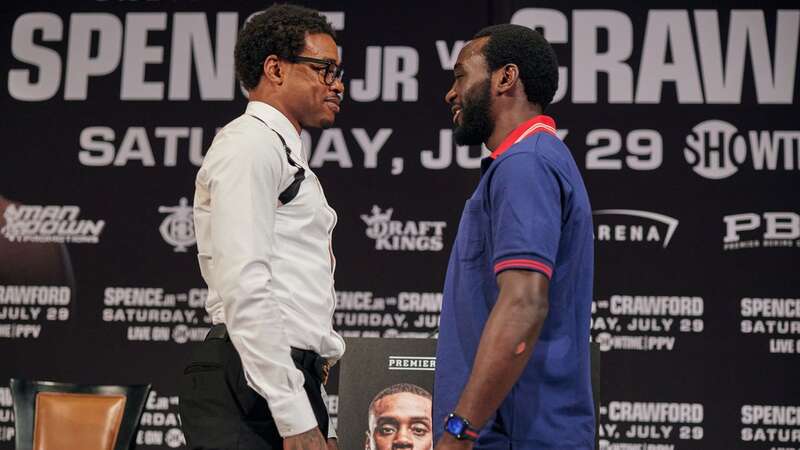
pixel 682 120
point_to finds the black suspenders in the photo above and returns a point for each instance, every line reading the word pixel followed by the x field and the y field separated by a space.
pixel 290 192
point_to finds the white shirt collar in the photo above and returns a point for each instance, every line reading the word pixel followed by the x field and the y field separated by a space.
pixel 278 122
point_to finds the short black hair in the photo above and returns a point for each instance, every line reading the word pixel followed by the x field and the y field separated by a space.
pixel 530 51
pixel 399 389
pixel 278 30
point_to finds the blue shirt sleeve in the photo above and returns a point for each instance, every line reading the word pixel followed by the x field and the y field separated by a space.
pixel 525 194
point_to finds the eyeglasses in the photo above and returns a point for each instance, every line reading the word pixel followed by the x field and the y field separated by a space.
pixel 330 73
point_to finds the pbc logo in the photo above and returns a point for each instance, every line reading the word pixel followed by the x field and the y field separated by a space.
pixel 716 149
pixel 632 225
pixel 770 229
pixel 177 229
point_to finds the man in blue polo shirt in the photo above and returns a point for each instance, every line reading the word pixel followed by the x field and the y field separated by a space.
pixel 512 363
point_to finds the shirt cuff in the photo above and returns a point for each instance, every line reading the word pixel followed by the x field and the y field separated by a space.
pixel 293 415
pixel 331 428
pixel 524 264
pixel 326 400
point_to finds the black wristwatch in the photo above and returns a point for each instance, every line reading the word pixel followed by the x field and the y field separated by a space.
pixel 460 428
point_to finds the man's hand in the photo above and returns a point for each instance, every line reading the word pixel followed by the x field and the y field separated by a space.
pixel 449 442
pixel 310 440
pixel 332 444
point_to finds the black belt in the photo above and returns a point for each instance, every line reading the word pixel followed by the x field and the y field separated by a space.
pixel 307 359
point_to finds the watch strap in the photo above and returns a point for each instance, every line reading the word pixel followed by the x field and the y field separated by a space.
pixel 467 432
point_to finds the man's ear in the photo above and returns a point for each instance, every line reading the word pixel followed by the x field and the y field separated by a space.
pixel 272 70
pixel 507 78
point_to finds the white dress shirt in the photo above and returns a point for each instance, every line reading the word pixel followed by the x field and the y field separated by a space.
pixel 269 267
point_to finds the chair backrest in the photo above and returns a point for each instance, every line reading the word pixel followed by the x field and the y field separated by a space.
pixel 57 416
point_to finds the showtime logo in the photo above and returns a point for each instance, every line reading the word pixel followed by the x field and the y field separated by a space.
pixel 630 225
pixel 777 229
pixel 716 149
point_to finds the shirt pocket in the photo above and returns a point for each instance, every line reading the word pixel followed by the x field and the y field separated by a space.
pixel 471 240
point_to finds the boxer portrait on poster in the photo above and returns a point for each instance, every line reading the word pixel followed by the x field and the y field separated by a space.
pixel 399 417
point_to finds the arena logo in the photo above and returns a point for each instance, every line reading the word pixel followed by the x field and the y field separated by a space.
pixel 647 227
pixel 418 236
pixel 716 149
pixel 776 229
pixel 51 223
pixel 177 228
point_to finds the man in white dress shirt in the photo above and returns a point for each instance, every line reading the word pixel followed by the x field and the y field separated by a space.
pixel 264 230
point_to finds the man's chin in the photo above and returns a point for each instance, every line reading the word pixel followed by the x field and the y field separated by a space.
pixel 466 136
pixel 327 122
pixel 322 121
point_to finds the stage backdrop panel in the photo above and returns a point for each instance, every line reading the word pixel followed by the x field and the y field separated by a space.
pixel 683 122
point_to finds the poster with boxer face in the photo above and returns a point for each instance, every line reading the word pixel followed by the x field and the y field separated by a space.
pixel 385 388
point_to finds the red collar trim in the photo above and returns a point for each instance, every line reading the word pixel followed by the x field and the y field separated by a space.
pixel 535 125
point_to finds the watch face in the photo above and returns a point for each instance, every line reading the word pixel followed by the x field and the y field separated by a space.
pixel 455 425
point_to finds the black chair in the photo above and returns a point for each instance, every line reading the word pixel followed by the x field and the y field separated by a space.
pixel 56 416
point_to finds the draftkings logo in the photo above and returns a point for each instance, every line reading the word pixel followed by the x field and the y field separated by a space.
pixel 41 224
pixel 410 235
pixel 177 229
pixel 716 149
pixel 777 229
pixel 630 225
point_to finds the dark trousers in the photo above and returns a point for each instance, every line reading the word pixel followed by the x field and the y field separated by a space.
pixel 220 411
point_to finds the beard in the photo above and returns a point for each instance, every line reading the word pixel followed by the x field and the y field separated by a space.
pixel 476 123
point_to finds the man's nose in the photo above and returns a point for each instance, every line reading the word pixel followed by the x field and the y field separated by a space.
pixel 403 439
pixel 450 97
pixel 338 87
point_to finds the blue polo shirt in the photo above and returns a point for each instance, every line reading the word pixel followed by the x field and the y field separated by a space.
pixel 530 211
